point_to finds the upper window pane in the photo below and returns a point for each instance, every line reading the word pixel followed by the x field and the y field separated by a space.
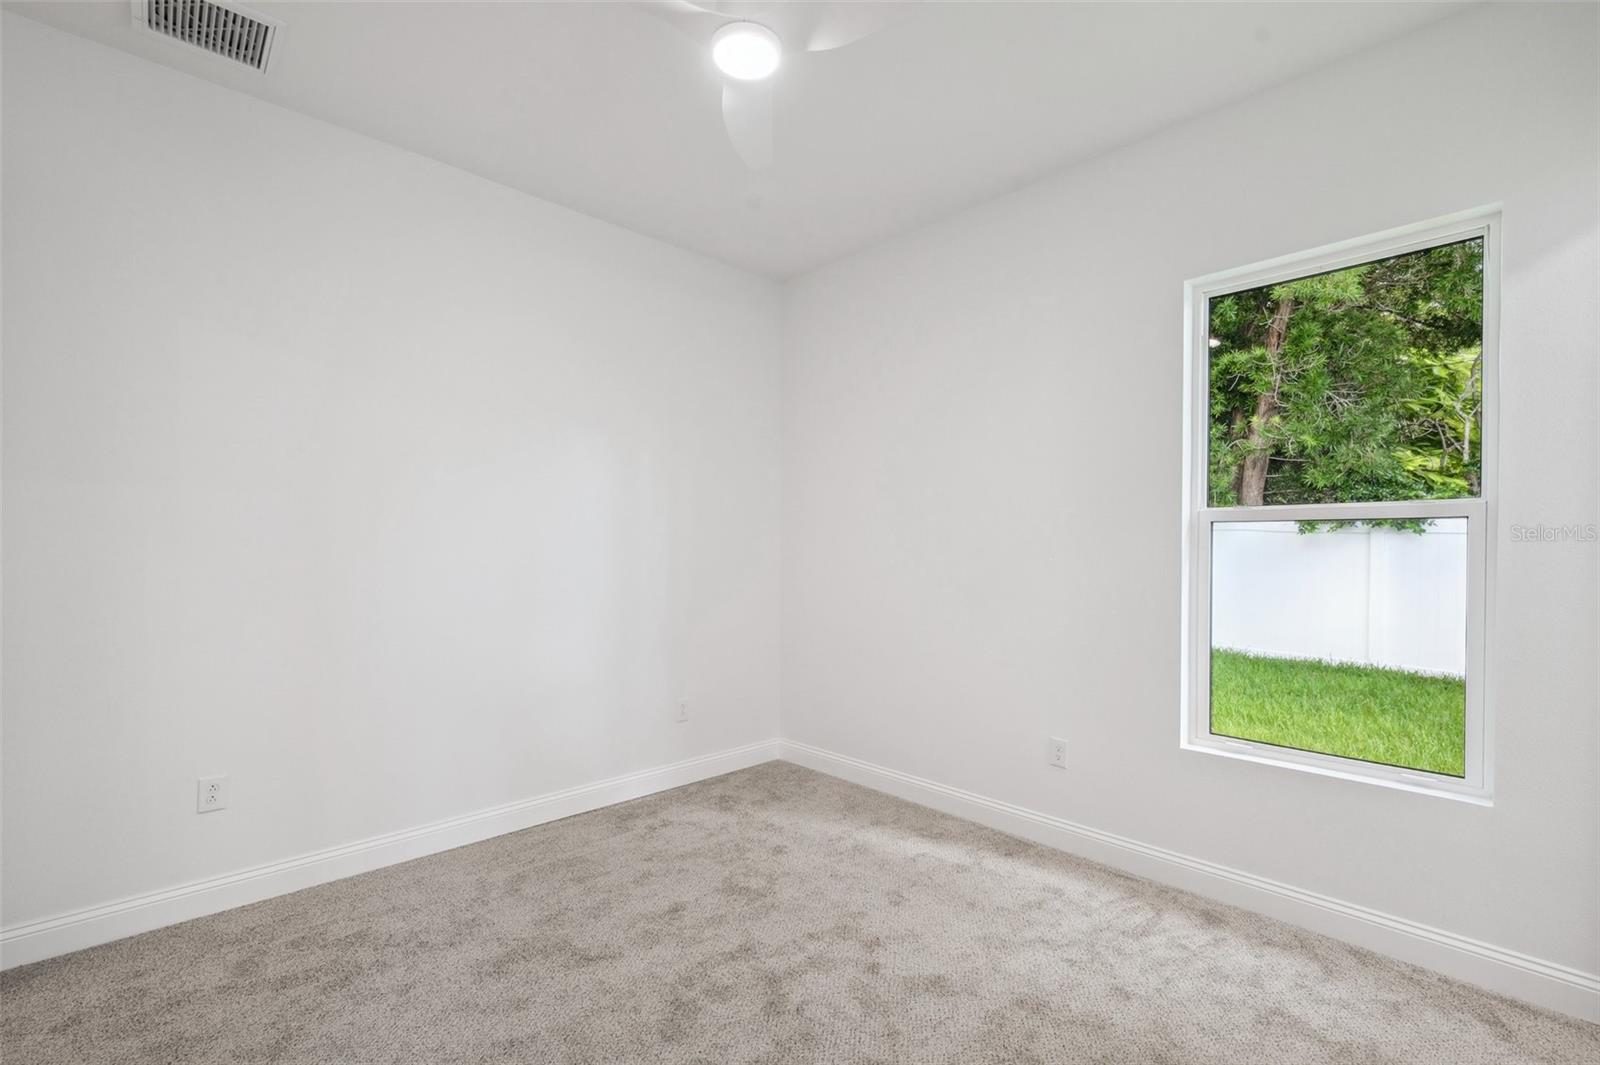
pixel 1355 386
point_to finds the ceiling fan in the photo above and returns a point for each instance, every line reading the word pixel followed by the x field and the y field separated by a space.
pixel 750 41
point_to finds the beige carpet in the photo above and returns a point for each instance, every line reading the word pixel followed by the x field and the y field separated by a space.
pixel 772 915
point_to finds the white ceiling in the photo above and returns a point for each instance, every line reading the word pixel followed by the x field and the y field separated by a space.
pixel 612 110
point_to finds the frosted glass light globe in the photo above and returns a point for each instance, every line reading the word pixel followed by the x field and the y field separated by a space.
pixel 747 51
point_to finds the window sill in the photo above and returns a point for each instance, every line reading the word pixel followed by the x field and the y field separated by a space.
pixel 1343 769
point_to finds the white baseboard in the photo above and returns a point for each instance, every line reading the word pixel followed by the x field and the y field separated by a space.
pixel 1507 972
pixel 66 932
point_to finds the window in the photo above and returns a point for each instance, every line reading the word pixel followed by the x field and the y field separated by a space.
pixel 1338 479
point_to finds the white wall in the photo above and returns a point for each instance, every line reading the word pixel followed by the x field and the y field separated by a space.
pixel 1380 597
pixel 982 480
pixel 388 492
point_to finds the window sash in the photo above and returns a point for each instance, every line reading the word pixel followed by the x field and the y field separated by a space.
pixel 1479 512
pixel 1197 724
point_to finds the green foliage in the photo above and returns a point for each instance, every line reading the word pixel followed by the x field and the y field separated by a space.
pixel 1378 715
pixel 1375 392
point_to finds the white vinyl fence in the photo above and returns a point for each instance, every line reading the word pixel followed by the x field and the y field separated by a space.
pixel 1374 596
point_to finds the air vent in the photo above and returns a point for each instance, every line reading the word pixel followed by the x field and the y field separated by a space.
pixel 225 30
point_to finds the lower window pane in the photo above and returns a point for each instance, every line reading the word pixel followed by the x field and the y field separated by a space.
pixel 1342 638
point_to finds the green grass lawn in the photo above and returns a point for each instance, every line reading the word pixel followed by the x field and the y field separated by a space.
pixel 1378 715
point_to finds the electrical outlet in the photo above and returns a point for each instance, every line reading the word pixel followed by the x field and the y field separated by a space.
pixel 211 793
pixel 682 712
pixel 1058 752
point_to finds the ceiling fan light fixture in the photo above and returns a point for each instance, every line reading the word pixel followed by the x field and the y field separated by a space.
pixel 747 51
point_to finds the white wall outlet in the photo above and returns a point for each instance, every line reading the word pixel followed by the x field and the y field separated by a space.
pixel 681 714
pixel 1058 752
pixel 211 794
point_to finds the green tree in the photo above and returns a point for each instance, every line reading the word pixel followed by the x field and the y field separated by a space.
pixel 1357 385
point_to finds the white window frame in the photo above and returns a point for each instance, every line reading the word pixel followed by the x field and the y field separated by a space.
pixel 1480 513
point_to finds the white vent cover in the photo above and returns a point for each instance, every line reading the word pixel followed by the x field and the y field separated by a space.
pixel 223 29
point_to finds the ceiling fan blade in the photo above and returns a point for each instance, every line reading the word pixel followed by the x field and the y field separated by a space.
pixel 836 25
pixel 681 7
pixel 802 26
pixel 747 114
pixel 697 21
